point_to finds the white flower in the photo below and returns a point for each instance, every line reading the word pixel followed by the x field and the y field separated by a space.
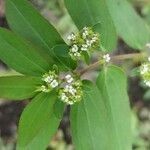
pixel 106 58
pixel 149 59
pixel 94 39
pixel 74 51
pixel 85 28
pixel 147 83
pixel 74 48
pixel 48 79
pixel 85 33
pixel 77 54
pixel 54 83
pixel 71 92
pixel 84 47
pixel 71 37
pixel 67 88
pixel 144 69
pixel 145 73
pixel 70 89
pixel 69 78
pixel 64 97
pixel 70 102
pixel 89 43
pixel 95 36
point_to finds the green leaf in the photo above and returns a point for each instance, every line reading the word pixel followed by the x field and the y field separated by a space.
pixel 25 20
pixel 112 84
pixel 42 139
pixel 22 56
pixel 62 58
pixel 134 31
pixel 94 13
pixel 18 87
pixel 59 108
pixel 38 123
pixel 89 121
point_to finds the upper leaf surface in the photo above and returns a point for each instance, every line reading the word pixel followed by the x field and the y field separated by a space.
pixel 35 119
pixel 112 84
pixel 134 31
pixel 94 13
pixel 62 57
pixel 18 87
pixel 21 55
pixel 45 135
pixel 89 121
pixel 24 19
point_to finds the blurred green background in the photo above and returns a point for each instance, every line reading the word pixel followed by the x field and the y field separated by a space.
pixel 55 12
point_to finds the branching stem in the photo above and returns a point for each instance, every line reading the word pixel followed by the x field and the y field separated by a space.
pixel 133 56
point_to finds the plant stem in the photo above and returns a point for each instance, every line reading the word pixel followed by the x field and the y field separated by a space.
pixel 134 56
pixel 137 56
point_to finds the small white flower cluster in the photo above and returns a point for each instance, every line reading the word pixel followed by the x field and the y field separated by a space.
pixel 69 88
pixel 144 68
pixel 145 72
pixel 82 42
pixel 71 37
pixel 72 91
pixel 50 81
pixel 106 58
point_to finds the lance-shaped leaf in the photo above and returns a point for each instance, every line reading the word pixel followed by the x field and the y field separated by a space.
pixel 112 84
pixel 62 57
pixel 24 19
pixel 94 13
pixel 21 55
pixel 129 25
pixel 89 121
pixel 38 123
pixel 18 87
pixel 43 138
